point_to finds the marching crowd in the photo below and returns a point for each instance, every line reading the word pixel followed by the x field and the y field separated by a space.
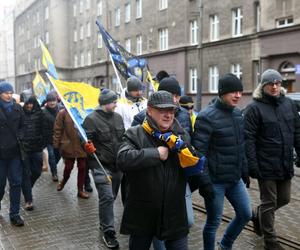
pixel 158 152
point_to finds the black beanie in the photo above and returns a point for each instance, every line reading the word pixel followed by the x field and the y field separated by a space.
pixel 171 85
pixel 51 97
pixel 134 84
pixel 107 96
pixel 161 75
pixel 186 101
pixel 229 83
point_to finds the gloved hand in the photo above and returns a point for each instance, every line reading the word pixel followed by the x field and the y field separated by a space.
pixel 207 192
pixel 89 147
pixel 246 180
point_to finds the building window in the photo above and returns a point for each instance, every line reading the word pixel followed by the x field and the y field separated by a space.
pixel 47 37
pixel 46 13
pixel 284 22
pixel 88 29
pixel 127 13
pixel 35 42
pixel 75 61
pixel 81 6
pixel 139 45
pixel 99 41
pixel 28 34
pixel 28 57
pixel 237 22
pixel 163 39
pixel 194 32
pixel 74 10
pixel 163 4
pixel 38 17
pixel 81 59
pixel 81 32
pixel 138 8
pixel 236 69
pixel 128 44
pixel 257 16
pixel 193 80
pixel 117 16
pixel 89 58
pixel 99 8
pixel 213 79
pixel 75 36
pixel 88 4
pixel 214 28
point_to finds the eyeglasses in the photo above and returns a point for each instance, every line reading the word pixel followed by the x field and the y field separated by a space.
pixel 276 83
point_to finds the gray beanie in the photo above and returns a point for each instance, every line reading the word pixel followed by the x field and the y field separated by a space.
pixel 107 96
pixel 134 84
pixel 270 76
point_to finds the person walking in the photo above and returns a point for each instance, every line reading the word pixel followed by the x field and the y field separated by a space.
pixel 33 143
pixel 272 130
pixel 104 129
pixel 219 135
pixel 147 156
pixel 66 139
pixel 50 112
pixel 11 125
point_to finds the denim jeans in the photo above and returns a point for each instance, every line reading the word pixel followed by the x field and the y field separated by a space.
pixel 144 243
pixel 32 170
pixel 53 158
pixel 12 170
pixel 107 193
pixel 236 193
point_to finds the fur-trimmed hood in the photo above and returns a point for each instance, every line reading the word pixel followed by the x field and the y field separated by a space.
pixel 257 93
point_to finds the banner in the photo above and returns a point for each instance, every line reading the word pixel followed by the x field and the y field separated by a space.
pixel 40 88
pixel 47 61
pixel 126 63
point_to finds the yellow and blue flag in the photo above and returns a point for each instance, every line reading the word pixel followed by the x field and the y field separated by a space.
pixel 126 63
pixel 47 61
pixel 154 84
pixel 79 98
pixel 40 88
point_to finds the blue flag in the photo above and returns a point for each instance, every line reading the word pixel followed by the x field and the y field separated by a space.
pixel 126 63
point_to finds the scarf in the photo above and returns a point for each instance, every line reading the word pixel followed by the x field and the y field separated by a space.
pixel 191 164
pixel 7 106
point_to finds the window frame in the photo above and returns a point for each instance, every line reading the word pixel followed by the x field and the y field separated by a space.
pixel 163 38
pixel 139 9
pixel 213 79
pixel 214 24
pixel 194 32
pixel 193 77
pixel 237 22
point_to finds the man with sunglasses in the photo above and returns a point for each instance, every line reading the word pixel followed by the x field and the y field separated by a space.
pixel 272 130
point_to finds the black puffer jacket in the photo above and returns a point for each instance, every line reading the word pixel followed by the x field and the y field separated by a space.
pixel 219 135
pixel 34 132
pixel 105 130
pixel 182 116
pixel 48 124
pixel 156 190
pixel 11 126
pixel 272 130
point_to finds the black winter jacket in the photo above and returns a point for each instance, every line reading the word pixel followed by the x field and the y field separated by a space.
pixel 48 124
pixel 156 190
pixel 11 127
pixel 219 135
pixel 34 132
pixel 105 130
pixel 272 130
pixel 182 116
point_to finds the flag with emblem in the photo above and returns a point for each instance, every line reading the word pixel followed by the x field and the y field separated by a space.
pixel 40 88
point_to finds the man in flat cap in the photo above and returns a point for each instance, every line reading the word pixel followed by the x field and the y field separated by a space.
pixel 272 127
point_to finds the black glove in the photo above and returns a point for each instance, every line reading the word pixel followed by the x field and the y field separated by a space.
pixel 207 191
pixel 246 180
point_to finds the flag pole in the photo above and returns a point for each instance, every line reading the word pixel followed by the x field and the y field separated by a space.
pixel 81 132
pixel 115 69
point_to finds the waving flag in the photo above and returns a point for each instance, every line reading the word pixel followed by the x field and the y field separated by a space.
pixel 40 88
pixel 126 63
pixel 149 79
pixel 47 61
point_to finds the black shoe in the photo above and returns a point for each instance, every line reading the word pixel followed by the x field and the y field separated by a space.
pixel 17 221
pixel 110 240
pixel 256 223
pixel 88 188
pixel 273 245
pixel 54 178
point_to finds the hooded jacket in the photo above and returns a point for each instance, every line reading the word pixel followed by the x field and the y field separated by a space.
pixel 272 130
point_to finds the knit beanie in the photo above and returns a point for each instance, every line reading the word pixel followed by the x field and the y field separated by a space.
pixel 171 85
pixel 229 83
pixel 270 76
pixel 134 84
pixel 161 75
pixel 51 97
pixel 107 96
pixel 6 87
pixel 186 101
